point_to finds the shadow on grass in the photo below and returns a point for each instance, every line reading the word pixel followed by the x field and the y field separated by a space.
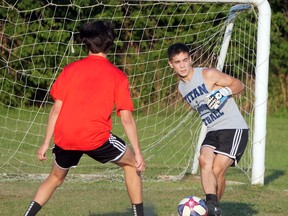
pixel 273 176
pixel 112 213
pixel 148 211
pixel 228 209
pixel 237 209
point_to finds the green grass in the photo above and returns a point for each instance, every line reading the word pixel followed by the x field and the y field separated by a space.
pixel 104 198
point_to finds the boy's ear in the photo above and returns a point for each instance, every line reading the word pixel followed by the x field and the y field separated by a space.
pixel 170 64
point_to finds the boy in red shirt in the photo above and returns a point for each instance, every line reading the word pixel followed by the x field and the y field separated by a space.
pixel 85 94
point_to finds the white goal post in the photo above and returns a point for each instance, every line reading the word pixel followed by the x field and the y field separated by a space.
pixel 38 40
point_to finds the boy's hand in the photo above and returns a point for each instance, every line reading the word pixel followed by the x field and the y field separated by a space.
pixel 218 97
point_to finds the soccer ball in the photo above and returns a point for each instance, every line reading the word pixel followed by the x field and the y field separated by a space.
pixel 192 206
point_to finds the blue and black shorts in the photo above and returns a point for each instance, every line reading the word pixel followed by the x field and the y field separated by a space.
pixel 229 142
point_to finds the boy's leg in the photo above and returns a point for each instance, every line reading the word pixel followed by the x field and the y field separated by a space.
pixel 133 181
pixel 209 180
pixel 221 165
pixel 213 170
pixel 46 189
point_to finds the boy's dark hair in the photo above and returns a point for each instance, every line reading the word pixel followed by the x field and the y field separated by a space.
pixel 177 48
pixel 98 36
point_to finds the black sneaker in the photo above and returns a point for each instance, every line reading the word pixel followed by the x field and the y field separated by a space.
pixel 213 208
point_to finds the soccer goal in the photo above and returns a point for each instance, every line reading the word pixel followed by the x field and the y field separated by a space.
pixel 38 40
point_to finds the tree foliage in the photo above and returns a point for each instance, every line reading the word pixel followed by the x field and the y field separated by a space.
pixel 37 36
pixel 278 79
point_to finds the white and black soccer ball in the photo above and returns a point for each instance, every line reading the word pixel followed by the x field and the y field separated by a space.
pixel 192 206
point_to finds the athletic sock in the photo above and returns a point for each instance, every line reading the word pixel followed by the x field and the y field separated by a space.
pixel 33 209
pixel 138 209
pixel 212 205
pixel 211 197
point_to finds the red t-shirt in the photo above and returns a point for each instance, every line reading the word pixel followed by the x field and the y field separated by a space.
pixel 89 89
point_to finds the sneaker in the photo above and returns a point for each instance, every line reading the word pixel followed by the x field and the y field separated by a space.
pixel 213 209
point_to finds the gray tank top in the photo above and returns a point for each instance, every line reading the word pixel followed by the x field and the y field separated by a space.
pixel 195 93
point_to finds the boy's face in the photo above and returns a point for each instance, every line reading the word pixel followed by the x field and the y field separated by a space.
pixel 181 63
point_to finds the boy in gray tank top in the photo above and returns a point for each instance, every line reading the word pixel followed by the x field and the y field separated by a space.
pixel 209 92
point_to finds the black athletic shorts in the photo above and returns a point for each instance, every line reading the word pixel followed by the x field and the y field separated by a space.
pixel 112 150
pixel 230 142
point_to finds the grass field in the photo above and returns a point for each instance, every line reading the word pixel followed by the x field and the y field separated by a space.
pixel 105 198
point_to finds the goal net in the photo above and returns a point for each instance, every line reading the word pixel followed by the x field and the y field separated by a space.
pixel 39 39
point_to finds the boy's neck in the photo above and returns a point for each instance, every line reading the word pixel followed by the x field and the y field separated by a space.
pixel 98 54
